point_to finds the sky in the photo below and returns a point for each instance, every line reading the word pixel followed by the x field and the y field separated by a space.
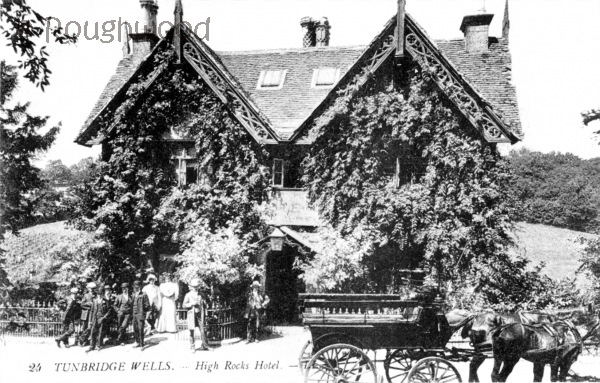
pixel 554 45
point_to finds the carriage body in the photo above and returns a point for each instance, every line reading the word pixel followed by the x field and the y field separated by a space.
pixel 373 322
pixel 346 327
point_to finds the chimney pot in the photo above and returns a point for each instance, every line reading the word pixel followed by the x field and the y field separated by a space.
pixel 476 29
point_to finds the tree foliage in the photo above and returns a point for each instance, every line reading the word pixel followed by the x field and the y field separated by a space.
pixel 20 144
pixel 556 189
pixel 21 26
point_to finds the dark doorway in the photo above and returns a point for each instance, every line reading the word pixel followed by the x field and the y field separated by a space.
pixel 283 286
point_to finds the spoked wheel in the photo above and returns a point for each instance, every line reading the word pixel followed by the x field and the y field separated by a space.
pixel 397 366
pixel 305 355
pixel 433 370
pixel 340 363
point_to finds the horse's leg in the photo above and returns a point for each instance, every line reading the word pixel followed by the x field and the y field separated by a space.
pixel 509 364
pixel 496 369
pixel 474 365
pixel 538 372
pixel 554 372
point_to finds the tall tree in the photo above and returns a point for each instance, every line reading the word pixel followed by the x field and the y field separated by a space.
pixel 20 143
pixel 22 26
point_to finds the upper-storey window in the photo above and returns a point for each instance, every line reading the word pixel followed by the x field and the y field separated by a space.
pixel 325 77
pixel 278 172
pixel 271 79
pixel 405 166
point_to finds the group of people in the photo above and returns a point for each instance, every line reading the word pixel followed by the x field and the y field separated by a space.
pixel 150 308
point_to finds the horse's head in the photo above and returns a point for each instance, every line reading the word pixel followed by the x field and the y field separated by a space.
pixel 479 328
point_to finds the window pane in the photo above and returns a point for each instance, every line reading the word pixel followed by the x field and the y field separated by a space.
pixel 277 172
pixel 326 76
pixel 272 78
pixel 191 173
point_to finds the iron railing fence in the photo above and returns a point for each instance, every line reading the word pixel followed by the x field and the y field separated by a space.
pixel 44 321
pixel 221 323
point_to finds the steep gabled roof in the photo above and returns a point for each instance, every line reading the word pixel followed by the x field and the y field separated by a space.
pixel 291 105
pixel 478 83
pixel 490 73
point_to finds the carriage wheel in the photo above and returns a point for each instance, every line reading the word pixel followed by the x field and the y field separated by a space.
pixel 433 369
pixel 397 366
pixel 340 363
pixel 305 356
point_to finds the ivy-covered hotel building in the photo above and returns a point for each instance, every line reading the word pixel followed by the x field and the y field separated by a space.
pixel 277 96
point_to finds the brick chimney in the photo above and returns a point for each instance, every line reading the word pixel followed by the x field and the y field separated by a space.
pixel 476 29
pixel 315 33
pixel 322 31
pixel 144 36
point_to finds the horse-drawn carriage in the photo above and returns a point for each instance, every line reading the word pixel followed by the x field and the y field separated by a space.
pixel 348 331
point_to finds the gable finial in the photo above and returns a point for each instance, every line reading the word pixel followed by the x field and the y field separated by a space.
pixel 177 35
pixel 400 29
pixel 505 23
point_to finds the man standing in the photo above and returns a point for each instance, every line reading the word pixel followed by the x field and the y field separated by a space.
pixel 139 309
pixel 254 309
pixel 123 307
pixel 102 309
pixel 71 313
pixel 153 293
pixel 86 307
pixel 196 305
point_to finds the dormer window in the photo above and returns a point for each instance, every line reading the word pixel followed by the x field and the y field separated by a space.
pixel 325 77
pixel 271 79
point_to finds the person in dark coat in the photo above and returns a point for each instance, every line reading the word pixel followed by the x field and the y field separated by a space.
pixel 139 309
pixel 71 312
pixel 123 307
pixel 86 307
pixel 102 310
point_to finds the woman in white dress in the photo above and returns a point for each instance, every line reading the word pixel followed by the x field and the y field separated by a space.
pixel 169 291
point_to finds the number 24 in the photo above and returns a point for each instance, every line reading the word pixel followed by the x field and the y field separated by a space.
pixel 35 367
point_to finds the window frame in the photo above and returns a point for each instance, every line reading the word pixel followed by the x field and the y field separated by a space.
pixel 276 161
pixel 262 75
pixel 316 76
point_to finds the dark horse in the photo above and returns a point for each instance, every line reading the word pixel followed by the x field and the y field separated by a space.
pixel 558 344
pixel 481 326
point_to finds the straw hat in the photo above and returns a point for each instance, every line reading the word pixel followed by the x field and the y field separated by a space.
pixel 150 277
pixel 91 285
pixel 195 282
pixel 256 284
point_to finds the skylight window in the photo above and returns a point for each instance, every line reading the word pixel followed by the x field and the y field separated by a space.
pixel 271 79
pixel 325 77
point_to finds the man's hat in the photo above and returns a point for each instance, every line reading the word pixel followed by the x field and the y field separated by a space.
pixel 108 287
pixel 74 290
pixel 91 285
pixel 150 277
pixel 195 282
pixel 124 285
pixel 137 283
pixel 255 284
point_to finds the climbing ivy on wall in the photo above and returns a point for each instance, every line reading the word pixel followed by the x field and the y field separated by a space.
pixel 135 206
pixel 457 216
